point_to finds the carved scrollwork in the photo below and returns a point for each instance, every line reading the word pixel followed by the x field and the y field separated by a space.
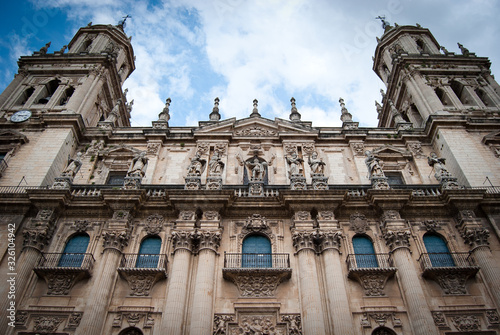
pixel 492 316
pixel 74 319
pixel 82 225
pixel 60 283
pixel 47 324
pixel 358 223
pixel 255 223
pixel 141 284
pixel 439 319
pixel 258 284
pixel 211 215
pixel 255 131
pixel 475 237
pixel 220 323
pixel 187 215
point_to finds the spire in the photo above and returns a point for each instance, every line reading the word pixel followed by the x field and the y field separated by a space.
pixel 294 115
pixel 379 109
pixel 346 116
pixel 165 113
pixel 395 113
pixel 255 111
pixel 121 24
pixel 215 116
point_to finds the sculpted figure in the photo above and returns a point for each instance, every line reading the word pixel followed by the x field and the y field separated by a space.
pixel 196 166
pixel 73 166
pixel 317 165
pixel 257 169
pixel 215 165
pixel 295 164
pixel 138 166
pixel 438 164
pixel 373 164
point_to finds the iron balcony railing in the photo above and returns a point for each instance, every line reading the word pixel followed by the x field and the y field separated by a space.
pixel 73 261
pixel 244 260
pixel 429 261
pixel 368 261
pixel 143 261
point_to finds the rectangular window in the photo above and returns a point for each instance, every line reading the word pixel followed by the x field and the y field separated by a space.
pixel 116 178
pixel 394 178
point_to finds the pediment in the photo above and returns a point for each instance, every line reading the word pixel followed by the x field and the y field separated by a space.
pixel 12 136
pixel 388 151
pixel 122 151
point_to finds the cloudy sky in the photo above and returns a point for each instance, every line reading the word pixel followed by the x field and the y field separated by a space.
pixel 239 50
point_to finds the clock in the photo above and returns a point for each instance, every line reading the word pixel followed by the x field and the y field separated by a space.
pixel 20 116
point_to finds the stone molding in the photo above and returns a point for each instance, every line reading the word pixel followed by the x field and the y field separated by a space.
pixel 43 322
pixel 133 318
pixel 257 282
pixel 471 320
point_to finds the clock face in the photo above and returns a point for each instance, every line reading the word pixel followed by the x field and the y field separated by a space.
pixel 20 116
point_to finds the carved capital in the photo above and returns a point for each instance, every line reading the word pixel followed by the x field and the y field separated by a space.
pixel 475 237
pixel 208 240
pixel 397 239
pixel 115 239
pixel 182 240
pixel 304 240
pixel 329 240
pixel 36 238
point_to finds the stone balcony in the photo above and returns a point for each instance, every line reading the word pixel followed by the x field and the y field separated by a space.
pixel 449 270
pixel 256 275
pixel 371 270
pixel 62 270
pixel 142 271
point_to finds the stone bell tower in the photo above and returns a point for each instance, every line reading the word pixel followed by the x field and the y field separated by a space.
pixel 424 78
pixel 56 96
pixel 450 99
pixel 85 80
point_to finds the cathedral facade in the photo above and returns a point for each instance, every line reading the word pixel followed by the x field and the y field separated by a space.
pixel 250 226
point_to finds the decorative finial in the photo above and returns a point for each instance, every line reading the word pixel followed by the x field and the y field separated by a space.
pixel 89 24
pixel 444 50
pixel 130 106
pixel 378 106
pixel 121 24
pixel 165 113
pixel 294 115
pixel 44 49
pixel 215 116
pixel 382 93
pixel 418 25
pixel 63 49
pixel 255 111
pixel 345 116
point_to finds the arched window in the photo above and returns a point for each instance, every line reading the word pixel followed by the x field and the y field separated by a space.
pixel 485 98
pixel 131 331
pixel 364 252
pixel 256 252
pixel 25 96
pixel 383 331
pixel 74 251
pixel 48 90
pixel 149 253
pixel 66 96
pixel 438 251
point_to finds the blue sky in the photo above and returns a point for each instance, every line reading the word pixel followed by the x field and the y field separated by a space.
pixel 196 50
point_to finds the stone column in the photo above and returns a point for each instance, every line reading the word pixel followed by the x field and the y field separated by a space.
pixel 36 235
pixel 477 238
pixel 173 310
pixel 338 302
pixel 99 296
pixel 202 310
pixel 418 310
pixel 313 321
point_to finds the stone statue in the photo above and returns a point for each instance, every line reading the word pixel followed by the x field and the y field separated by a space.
pixel 215 166
pixel 257 169
pixel 196 166
pixel 373 164
pixel 463 49
pixel 63 49
pixel 317 165
pixel 438 165
pixel 295 164
pixel 113 116
pixel 73 166
pixel 138 166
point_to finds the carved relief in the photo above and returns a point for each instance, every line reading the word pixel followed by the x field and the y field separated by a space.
pixel 154 224
pixel 75 319
pixel 325 216
pixel 258 323
pixel 141 284
pixel 439 319
pixel 153 148
pixel 294 323
pixel 358 148
pixel 133 319
pixel 211 215
pixel 304 240
pixel 82 225
pixel 329 240
pixel 416 149
pixel 21 318
pixel 492 316
pixel 475 237
pixel 358 223
pixel 60 283
pixel 220 323
pixel 258 285
pixel 255 223
pixel 46 324
pixel 373 283
pixel 431 225
pixel 255 131
pixel 466 323
pixel 453 282
pixel 308 148
pixel 187 215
